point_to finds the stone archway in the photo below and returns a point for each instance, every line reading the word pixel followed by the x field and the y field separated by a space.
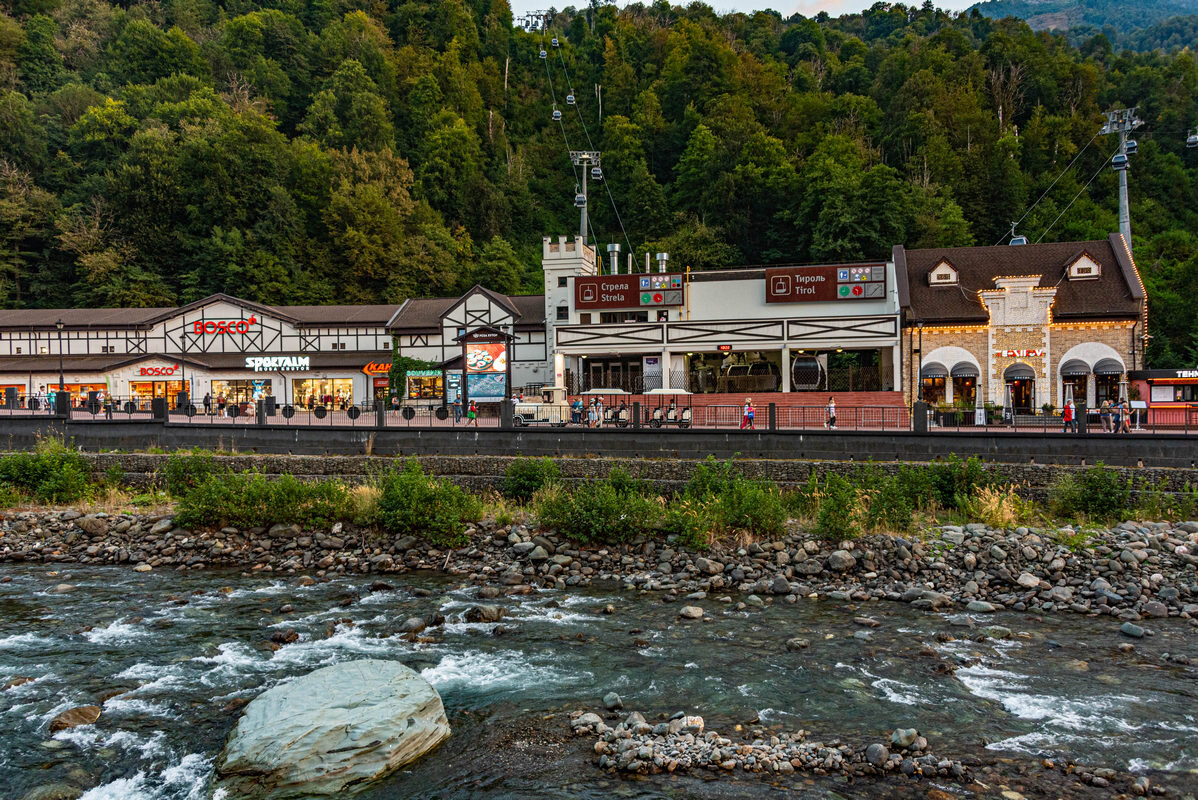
pixel 954 359
pixel 1090 354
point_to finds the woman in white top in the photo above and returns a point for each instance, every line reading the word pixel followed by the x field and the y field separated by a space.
pixel 831 423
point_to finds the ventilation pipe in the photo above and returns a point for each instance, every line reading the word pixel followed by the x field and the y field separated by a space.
pixel 646 263
pixel 631 264
pixel 662 258
pixel 613 254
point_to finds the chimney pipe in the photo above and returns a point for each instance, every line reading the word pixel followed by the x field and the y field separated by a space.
pixel 646 263
pixel 662 258
pixel 613 253
pixel 631 264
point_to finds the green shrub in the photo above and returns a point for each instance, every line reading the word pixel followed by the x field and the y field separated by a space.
pixel 54 473
pixel 414 503
pixel 525 476
pixel 1097 492
pixel 184 471
pixel 837 518
pixel 249 500
pixel 804 500
pixel 611 510
pixel 956 479
pixel 888 506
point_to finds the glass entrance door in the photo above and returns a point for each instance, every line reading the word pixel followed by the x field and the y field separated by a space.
pixel 1021 391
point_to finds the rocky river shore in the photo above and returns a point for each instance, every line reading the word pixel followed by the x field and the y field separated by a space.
pixel 1136 571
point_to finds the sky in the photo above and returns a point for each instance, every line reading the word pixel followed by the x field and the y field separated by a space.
pixel 807 8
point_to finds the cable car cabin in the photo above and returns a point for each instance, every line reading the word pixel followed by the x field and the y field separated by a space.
pixel 544 54
pixel 555 42
pixel 580 201
pixel 557 115
pixel 1119 162
pixel 747 378
pixel 1018 240
pixel 570 99
pixel 596 173
pixel 550 409
pixel 1192 141
pixel 1132 147
pixel 671 414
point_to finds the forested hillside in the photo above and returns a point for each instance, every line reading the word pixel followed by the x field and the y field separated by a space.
pixel 1121 15
pixel 311 151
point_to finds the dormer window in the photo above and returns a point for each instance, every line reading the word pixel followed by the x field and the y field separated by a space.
pixel 943 275
pixel 1084 268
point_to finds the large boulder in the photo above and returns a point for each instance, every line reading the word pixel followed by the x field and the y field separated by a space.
pixel 334 729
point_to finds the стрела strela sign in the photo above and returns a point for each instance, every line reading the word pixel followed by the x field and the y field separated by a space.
pixel 213 326
pixel 278 363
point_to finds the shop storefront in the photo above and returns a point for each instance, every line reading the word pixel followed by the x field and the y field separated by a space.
pixel 241 390
pixel 1026 328
pixel 328 392
pixel 425 387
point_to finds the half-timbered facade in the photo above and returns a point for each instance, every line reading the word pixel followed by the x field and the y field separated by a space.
pixel 220 347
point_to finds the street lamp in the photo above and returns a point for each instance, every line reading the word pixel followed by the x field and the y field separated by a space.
pixel 59 325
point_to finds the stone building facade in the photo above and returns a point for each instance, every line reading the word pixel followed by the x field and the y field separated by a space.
pixel 1021 326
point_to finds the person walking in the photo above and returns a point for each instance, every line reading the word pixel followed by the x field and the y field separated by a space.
pixel 220 404
pixel 831 423
pixel 1126 414
pixel 576 411
pixel 1116 417
pixel 39 398
pixel 1067 417
pixel 599 413
pixel 591 414
pixel 472 414
pixel 1104 414
pixel 207 404
pixel 457 410
pixel 746 414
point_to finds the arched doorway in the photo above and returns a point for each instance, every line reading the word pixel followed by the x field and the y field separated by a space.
pixel 932 377
pixel 1075 373
pixel 1107 374
pixel 965 384
pixel 1021 387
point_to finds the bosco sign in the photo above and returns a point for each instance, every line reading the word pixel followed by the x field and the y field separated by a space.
pixel 152 371
pixel 223 326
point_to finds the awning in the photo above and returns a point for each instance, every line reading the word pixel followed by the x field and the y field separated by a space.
pixel 1019 372
pixel 965 370
pixel 933 370
pixel 1108 366
pixel 1074 368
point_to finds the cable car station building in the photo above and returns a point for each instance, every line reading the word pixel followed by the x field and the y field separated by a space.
pixel 1021 326
pixel 777 332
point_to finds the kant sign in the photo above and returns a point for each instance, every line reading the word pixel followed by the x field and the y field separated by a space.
pixel 278 363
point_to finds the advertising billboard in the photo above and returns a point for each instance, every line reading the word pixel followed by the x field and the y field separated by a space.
pixel 648 290
pixel 486 357
pixel 485 387
pixel 825 283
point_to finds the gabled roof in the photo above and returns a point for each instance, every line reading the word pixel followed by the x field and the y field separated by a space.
pixel 1116 294
pixel 424 314
pixel 498 299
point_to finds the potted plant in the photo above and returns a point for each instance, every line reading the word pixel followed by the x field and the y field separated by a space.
pixel 1048 409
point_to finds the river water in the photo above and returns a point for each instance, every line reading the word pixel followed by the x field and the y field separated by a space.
pixel 165 653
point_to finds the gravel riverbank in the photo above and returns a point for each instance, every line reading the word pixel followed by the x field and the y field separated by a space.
pixel 1136 571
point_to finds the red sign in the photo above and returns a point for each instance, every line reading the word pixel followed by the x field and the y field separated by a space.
pixel 377 368
pixel 825 283
pixel 1018 353
pixel 382 382
pixel 629 291
pixel 150 371
pixel 224 326
pixel 725 348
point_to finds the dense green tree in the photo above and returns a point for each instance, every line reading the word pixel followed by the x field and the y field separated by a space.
pixel 353 150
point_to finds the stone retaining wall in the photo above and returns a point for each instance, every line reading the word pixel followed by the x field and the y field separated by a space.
pixel 482 472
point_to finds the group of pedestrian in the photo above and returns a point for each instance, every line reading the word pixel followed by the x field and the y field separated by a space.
pixel 1115 417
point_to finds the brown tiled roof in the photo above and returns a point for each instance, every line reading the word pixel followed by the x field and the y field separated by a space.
pixel 45 318
pixel 340 315
pixel 531 308
pixel 421 313
pixel 1116 294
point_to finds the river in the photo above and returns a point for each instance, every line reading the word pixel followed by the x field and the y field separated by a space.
pixel 166 653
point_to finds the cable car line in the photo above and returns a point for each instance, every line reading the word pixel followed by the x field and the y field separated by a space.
pixel 1105 163
pixel 1049 189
